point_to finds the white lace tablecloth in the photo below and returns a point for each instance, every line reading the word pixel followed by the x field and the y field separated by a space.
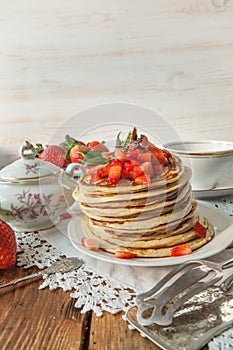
pixel 102 286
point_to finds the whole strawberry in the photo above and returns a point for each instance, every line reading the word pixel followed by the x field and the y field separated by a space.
pixel 54 154
pixel 8 246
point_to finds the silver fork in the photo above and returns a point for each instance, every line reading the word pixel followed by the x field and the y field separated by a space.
pixel 185 281
pixel 62 266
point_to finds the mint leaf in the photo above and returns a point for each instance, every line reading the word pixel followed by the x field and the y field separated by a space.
pixel 39 149
pixel 123 143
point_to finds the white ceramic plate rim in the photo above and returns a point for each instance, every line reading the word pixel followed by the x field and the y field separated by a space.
pixel 226 183
pixel 208 194
pixel 225 187
pixel 223 238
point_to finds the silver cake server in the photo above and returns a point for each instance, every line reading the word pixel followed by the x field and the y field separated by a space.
pixel 159 304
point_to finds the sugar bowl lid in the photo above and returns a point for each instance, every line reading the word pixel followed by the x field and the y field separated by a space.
pixel 28 167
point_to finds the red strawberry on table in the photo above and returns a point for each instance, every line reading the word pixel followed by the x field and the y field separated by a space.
pixel 8 246
pixel 54 154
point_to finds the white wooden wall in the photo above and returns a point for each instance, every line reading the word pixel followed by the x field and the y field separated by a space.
pixel 58 57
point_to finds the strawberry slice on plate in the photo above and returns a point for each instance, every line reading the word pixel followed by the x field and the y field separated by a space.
pixel 199 229
pixel 182 249
pixel 125 255
pixel 90 243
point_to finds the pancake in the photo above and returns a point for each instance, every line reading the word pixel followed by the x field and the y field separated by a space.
pixel 148 217
pixel 146 220
pixel 133 208
pixel 161 247
pixel 163 230
pixel 170 174
pixel 126 240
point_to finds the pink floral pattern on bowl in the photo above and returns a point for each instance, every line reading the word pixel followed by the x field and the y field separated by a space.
pixel 34 206
pixel 34 169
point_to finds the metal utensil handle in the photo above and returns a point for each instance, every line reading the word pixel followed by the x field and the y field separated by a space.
pixel 166 319
pixel 187 279
pixel 227 283
pixel 38 274
pixel 227 264
pixel 164 282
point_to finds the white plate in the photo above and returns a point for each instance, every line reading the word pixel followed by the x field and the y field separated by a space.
pixel 222 223
pixel 223 188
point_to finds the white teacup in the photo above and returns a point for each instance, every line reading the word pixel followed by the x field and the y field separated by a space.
pixel 209 160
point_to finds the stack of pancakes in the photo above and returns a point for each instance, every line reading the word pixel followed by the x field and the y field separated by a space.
pixel 146 220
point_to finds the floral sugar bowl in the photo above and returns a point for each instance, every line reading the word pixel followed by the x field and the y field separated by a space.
pixel 33 192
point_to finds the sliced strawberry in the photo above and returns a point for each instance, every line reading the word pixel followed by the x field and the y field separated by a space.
pixel 8 246
pixel 90 243
pixel 182 249
pixel 129 164
pixel 147 168
pixel 116 162
pixel 145 157
pixel 114 174
pixel 126 174
pixel 133 153
pixel 199 229
pixel 125 255
pixel 136 172
pixel 167 154
pixel 94 177
pixel 142 180
pixel 104 171
pixel 158 154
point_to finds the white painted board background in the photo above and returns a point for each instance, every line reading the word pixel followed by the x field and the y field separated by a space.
pixel 58 57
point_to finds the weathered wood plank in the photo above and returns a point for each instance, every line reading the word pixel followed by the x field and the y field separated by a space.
pixel 57 58
pixel 38 319
pixel 33 319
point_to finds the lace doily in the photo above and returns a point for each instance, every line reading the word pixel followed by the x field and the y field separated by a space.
pixel 91 290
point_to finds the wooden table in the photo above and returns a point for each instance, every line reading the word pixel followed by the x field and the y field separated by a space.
pixel 33 319
pixel 60 57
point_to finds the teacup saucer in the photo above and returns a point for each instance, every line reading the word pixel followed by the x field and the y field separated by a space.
pixel 224 187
